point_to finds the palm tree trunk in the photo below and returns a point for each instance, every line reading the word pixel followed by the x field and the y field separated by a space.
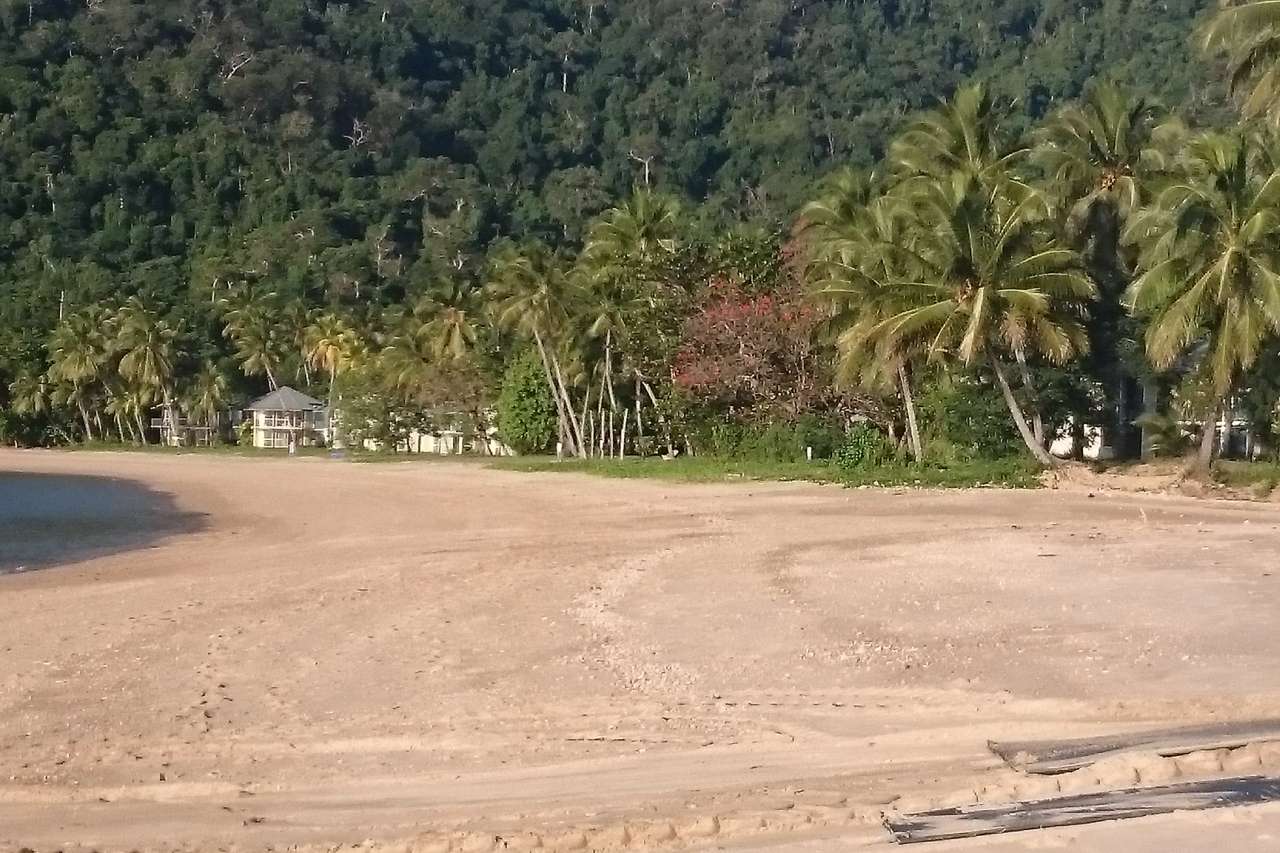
pixel 1037 423
pixel 84 416
pixel 555 395
pixel 1203 466
pixel 653 399
pixel 575 424
pixel 333 382
pixel 622 435
pixel 172 417
pixel 639 419
pixel 584 441
pixel 608 367
pixel 1028 437
pixel 142 429
pixel 271 378
pixel 917 451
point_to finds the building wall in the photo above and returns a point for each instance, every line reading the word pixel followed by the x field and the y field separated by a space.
pixel 272 429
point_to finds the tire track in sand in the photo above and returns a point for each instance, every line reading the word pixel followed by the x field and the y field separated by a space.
pixel 638 666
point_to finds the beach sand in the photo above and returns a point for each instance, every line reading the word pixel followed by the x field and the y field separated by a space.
pixel 302 653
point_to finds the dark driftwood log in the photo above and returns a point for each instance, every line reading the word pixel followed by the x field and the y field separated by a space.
pixel 1062 756
pixel 974 821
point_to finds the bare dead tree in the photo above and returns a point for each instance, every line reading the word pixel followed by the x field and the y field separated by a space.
pixel 359 133
pixel 237 61
pixel 646 161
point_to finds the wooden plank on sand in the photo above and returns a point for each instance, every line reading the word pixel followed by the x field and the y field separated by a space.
pixel 978 820
pixel 1062 756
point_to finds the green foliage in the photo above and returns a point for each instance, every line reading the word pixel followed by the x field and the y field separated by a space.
pixel 864 447
pixel 1009 473
pixel 1167 435
pixel 963 420
pixel 768 440
pixel 526 410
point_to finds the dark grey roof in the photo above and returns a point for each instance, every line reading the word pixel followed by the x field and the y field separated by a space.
pixel 284 399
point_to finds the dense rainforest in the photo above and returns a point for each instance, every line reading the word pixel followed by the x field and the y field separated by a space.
pixel 156 147
pixel 231 176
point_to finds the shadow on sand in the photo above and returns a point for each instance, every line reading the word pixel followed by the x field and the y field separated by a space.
pixel 49 520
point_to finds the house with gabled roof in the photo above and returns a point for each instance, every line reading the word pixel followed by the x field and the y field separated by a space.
pixel 286 417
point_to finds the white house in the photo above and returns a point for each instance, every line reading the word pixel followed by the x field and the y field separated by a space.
pixel 287 416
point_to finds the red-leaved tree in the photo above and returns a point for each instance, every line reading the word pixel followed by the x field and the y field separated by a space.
pixel 746 352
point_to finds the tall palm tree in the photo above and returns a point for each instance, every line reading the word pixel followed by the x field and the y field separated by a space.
pixel 967 135
pixel 79 352
pixel 30 394
pixel 638 231
pixel 858 251
pixel 445 317
pixel 1098 157
pixel 207 397
pixel 1210 275
pixel 331 345
pixel 250 325
pixel 148 359
pixel 294 325
pixel 990 285
pixel 1248 33
pixel 534 297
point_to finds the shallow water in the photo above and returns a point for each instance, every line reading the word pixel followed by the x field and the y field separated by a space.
pixel 49 520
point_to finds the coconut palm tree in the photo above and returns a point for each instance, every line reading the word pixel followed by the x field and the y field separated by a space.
pixel 79 351
pixel 445 317
pixel 250 325
pixel 332 345
pixel 207 397
pixel 534 297
pixel 967 135
pixel 858 251
pixel 1247 32
pixel 1099 158
pixel 29 394
pixel 148 356
pixel 1210 275
pixel 294 325
pixel 990 285
pixel 637 232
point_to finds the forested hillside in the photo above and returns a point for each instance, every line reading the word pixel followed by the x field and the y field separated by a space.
pixel 730 225
pixel 355 150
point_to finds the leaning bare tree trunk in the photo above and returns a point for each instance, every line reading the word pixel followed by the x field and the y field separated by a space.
pixel 584 440
pixel 622 435
pixel 1203 465
pixel 913 427
pixel 574 425
pixel 639 419
pixel 565 439
pixel 1037 422
pixel 171 416
pixel 84 416
pixel 1028 437
pixel 653 400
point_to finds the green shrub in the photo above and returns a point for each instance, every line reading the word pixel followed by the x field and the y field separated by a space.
pixel 1167 436
pixel 526 412
pixel 864 447
pixel 970 419
pixel 823 435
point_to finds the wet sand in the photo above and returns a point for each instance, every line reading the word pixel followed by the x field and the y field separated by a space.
pixel 58 519
pixel 439 656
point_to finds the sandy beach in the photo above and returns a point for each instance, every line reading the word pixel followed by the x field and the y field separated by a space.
pixel 216 653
